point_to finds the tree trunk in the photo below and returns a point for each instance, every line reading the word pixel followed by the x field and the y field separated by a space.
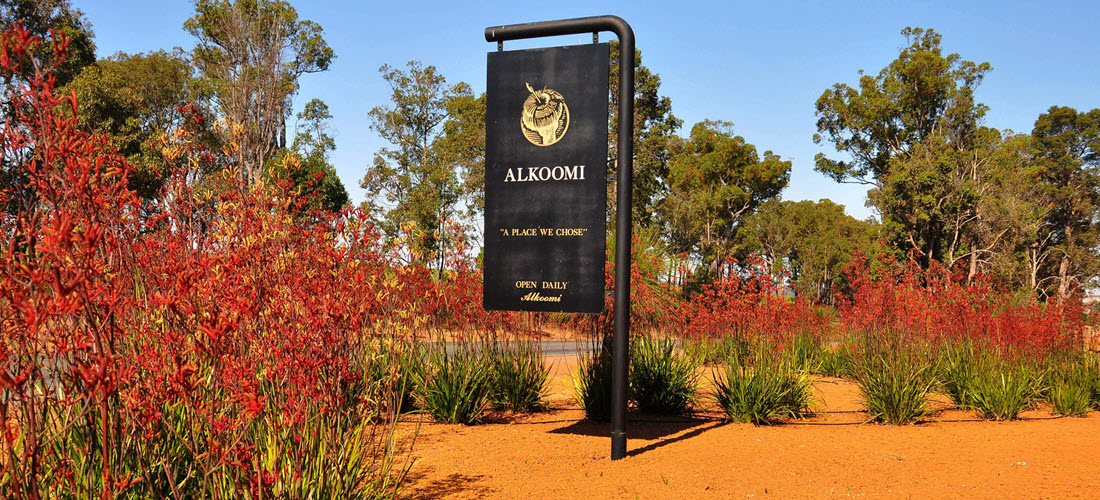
pixel 1064 278
pixel 973 266
pixel 282 134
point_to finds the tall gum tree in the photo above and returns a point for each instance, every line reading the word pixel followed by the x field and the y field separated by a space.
pixel 313 178
pixel 417 181
pixel 1067 147
pixel 137 99
pixel 252 53
pixel 716 179
pixel 654 127
pixel 907 133
pixel 813 241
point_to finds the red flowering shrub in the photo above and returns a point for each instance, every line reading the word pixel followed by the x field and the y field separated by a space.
pixel 654 304
pixel 750 302
pixel 935 304
pixel 216 348
pixel 65 302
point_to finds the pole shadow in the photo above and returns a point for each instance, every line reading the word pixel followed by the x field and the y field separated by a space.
pixel 664 431
pixel 694 432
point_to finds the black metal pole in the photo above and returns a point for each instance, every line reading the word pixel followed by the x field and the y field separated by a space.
pixel 620 350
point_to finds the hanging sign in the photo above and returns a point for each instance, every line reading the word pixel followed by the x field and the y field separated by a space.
pixel 546 179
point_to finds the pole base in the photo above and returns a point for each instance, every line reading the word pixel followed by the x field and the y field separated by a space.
pixel 618 445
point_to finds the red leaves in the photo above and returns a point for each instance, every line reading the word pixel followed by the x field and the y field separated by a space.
pixel 750 302
pixel 935 303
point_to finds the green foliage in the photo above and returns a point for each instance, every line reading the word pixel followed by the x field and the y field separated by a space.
pixel 814 241
pixel 520 374
pixel 136 100
pixel 908 101
pixel 912 132
pixel 957 367
pixel 39 17
pixel 654 128
pixel 661 379
pixel 331 459
pixel 456 386
pixel 836 358
pixel 1023 209
pixel 836 362
pixel 592 385
pixel 1091 367
pixel 461 147
pixel 715 180
pixel 1067 144
pixel 1071 389
pixel 325 455
pixel 420 179
pixel 706 351
pixel 392 376
pixel 763 392
pixel 895 381
pixel 803 353
pixel 1005 387
pixel 250 54
pixel 312 177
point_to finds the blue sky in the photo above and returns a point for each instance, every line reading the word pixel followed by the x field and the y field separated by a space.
pixel 760 65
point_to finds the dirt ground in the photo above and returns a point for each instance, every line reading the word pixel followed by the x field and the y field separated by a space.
pixel 556 454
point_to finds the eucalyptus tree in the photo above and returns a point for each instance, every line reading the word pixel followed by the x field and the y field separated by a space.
pixel 1067 147
pixel 251 53
pixel 907 133
pixel 716 179
pixel 654 128
pixel 313 177
pixel 136 100
pixel 417 181
pixel 44 19
pixel 812 240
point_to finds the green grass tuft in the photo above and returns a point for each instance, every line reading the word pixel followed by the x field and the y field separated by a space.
pixel 894 381
pixel 455 387
pixel 661 380
pixel 763 392
pixel 519 374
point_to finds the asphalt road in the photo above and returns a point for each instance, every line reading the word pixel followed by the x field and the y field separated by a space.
pixel 552 348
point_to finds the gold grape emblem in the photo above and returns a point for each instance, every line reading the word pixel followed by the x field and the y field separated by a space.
pixel 545 116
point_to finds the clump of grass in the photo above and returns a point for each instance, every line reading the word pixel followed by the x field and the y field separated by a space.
pixel 703 351
pixel 393 374
pixel 592 384
pixel 1073 385
pixel 1091 367
pixel 895 381
pixel 519 374
pixel 804 352
pixel 957 367
pixel 456 386
pixel 661 380
pixel 762 392
pixel 1069 395
pixel 1004 387
pixel 836 361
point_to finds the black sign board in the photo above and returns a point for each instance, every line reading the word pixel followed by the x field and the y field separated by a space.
pixel 546 179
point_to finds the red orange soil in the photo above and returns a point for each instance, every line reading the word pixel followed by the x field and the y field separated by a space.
pixel 555 454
